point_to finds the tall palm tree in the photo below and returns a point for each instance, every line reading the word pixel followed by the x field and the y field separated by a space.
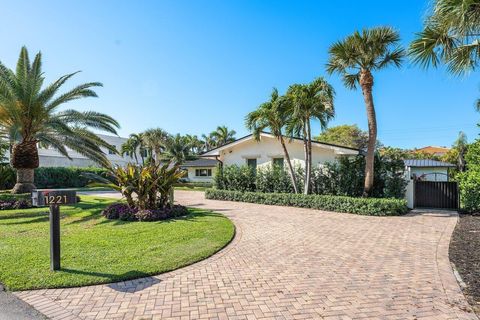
pixel 304 103
pixel 270 115
pixel 29 115
pixel 155 140
pixel 177 149
pixel 223 135
pixel 355 58
pixel 194 143
pixel 208 142
pixel 451 35
pixel 134 146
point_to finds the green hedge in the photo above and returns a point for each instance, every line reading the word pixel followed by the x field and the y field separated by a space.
pixel 363 206
pixel 64 177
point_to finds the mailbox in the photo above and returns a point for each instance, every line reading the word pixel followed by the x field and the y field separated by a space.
pixel 46 197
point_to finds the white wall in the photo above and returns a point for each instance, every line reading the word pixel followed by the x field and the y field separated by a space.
pixel 409 196
pixel 193 178
pixel 268 148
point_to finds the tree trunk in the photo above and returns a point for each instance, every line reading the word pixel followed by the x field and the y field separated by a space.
pixel 366 82
pixel 307 162
pixel 289 163
pixel 25 179
pixel 24 159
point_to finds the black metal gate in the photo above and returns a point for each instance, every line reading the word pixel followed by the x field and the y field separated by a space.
pixel 435 194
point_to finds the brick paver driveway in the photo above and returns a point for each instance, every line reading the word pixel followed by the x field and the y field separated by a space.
pixel 290 263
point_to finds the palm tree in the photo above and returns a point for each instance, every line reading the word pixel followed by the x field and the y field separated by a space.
pixel 304 103
pixel 134 146
pixel 208 142
pixel 155 140
pixel 355 58
pixel 223 135
pixel 29 115
pixel 194 143
pixel 270 115
pixel 177 149
pixel 451 35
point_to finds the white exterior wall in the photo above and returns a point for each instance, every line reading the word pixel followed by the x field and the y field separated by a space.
pixel 193 178
pixel 432 174
pixel 268 148
pixel 409 194
pixel 52 158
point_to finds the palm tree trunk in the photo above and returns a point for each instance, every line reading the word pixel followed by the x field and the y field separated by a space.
pixel 24 158
pixel 289 163
pixel 307 162
pixel 309 149
pixel 366 82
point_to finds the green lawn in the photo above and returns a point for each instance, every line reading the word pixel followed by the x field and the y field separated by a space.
pixel 97 250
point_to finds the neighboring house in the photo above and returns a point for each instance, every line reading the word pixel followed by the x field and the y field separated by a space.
pixel 50 157
pixel 423 170
pixel 268 151
pixel 433 150
pixel 200 170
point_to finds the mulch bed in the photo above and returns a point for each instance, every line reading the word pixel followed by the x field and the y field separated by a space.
pixel 465 255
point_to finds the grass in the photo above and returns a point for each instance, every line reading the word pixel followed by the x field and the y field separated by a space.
pixel 96 250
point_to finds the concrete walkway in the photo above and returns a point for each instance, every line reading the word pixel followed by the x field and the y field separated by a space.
pixel 290 263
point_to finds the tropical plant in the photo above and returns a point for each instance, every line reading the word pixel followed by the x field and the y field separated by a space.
pixel 270 115
pixel 195 144
pixel 222 135
pixel 457 153
pixel 355 58
pixel 155 139
pixel 146 186
pixel 305 102
pixel 450 36
pixel 208 142
pixel 177 149
pixel 134 146
pixel 29 115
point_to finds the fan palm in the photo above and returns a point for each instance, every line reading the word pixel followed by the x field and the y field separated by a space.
pixel 29 115
pixel 450 35
pixel 223 135
pixel 155 140
pixel 270 115
pixel 355 58
pixel 304 103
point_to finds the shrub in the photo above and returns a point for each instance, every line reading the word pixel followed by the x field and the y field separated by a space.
pixel 65 177
pixel 7 176
pixel 15 201
pixel 469 181
pixel 117 210
pixel 240 178
pixel 123 212
pixel 363 206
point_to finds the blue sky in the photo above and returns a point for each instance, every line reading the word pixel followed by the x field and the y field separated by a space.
pixel 188 66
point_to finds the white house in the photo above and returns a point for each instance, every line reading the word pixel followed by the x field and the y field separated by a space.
pixel 201 170
pixel 50 157
pixel 268 150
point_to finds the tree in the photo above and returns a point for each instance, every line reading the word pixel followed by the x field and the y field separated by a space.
pixel 155 140
pixel 29 115
pixel 208 142
pixel 134 146
pixel 223 135
pixel 305 102
pixel 355 58
pixel 270 115
pixel 177 149
pixel 195 144
pixel 450 36
pixel 457 152
pixel 345 135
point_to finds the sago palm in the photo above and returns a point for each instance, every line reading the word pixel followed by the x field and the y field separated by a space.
pixel 270 115
pixel 355 58
pixel 306 102
pixel 451 35
pixel 29 115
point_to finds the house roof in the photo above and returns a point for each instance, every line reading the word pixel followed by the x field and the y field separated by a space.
pixel 203 162
pixel 426 163
pixel 267 134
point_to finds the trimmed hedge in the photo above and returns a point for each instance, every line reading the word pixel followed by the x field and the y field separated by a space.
pixel 65 177
pixel 363 206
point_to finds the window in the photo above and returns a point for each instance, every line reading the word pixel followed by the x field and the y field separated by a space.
pixel 252 163
pixel 278 162
pixel 203 172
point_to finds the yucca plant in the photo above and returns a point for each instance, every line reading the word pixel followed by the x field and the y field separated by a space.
pixel 29 116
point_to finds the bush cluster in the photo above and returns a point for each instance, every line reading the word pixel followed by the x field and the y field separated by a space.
pixel 363 206
pixel 65 177
pixel 123 211
pixel 469 181
pixel 15 201
pixel 342 178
